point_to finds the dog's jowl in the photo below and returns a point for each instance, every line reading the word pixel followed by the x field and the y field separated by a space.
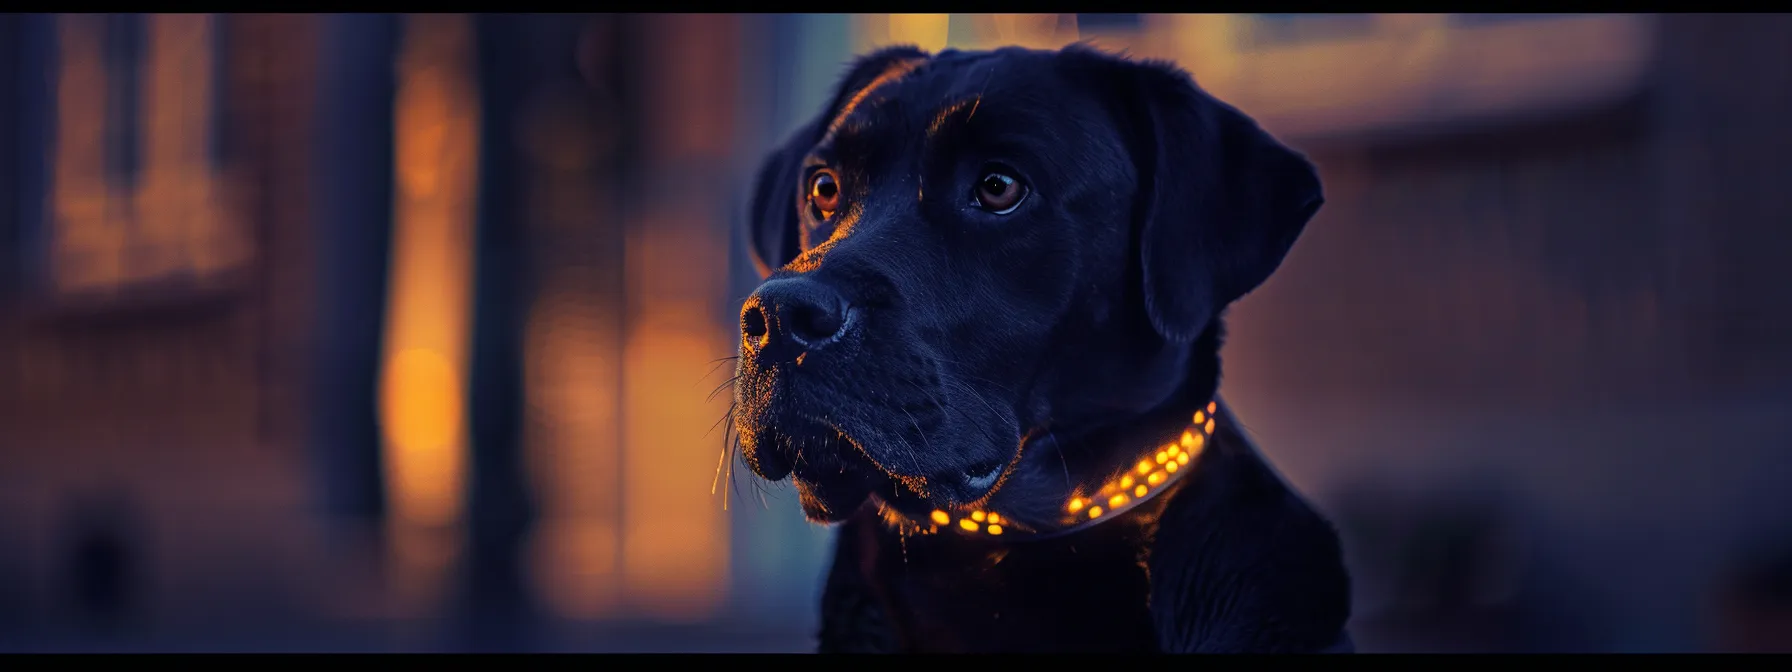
pixel 987 347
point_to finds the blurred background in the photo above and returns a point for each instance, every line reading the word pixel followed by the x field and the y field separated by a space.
pixel 397 332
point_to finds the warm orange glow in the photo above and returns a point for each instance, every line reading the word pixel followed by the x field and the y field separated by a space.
pixel 675 535
pixel 1199 418
pixel 1211 406
pixel 995 529
pixel 967 524
pixel 1209 426
pixel 573 454
pixel 1161 456
pixel 421 407
pixel 170 221
pixel 1094 512
pixel 1182 459
pixel 1126 481
pixel 1033 31
pixel 1140 491
pixel 675 539
pixel 994 519
pixel 927 31
pixel 1144 466
pixel 1116 501
pixel 1155 478
pixel 81 202
pixel 427 322
pixel 977 516
pixel 941 518
pixel 1172 465
pixel 178 202
pixel 1076 504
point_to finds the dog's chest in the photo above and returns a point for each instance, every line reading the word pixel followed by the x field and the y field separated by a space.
pixel 951 594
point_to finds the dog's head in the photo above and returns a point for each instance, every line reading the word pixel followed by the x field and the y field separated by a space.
pixel 968 253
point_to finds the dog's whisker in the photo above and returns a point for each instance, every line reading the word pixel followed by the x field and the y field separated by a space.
pixel 914 460
pixel 981 427
pixel 716 366
pixel 727 452
pixel 734 452
pixel 719 423
pixel 969 377
pixel 715 482
pixel 725 384
pixel 1062 461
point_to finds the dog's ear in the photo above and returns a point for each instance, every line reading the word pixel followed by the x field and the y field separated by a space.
pixel 772 215
pixel 1221 202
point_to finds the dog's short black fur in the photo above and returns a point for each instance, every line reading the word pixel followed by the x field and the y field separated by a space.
pixel 991 273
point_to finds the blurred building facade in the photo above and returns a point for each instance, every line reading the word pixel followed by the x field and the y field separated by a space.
pixel 249 278
pixel 154 230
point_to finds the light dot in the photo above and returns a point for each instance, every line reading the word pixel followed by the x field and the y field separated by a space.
pixel 1139 491
pixel 1116 501
pixel 1188 438
pixel 1175 449
pixel 1209 426
pixel 941 518
pixel 995 529
pixel 1162 456
pixel 1155 478
pixel 977 516
pixel 1076 504
pixel 1200 417
pixel 967 524
pixel 1126 481
pixel 1094 512
pixel 994 519
pixel 1199 441
pixel 1171 467
pixel 1183 458
pixel 1212 406
pixel 1144 466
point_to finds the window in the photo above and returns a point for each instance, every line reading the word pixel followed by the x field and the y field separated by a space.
pixel 135 191
pixel 1308 75
pixel 1263 30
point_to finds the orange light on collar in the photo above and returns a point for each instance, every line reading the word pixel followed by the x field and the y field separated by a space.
pixel 1157 468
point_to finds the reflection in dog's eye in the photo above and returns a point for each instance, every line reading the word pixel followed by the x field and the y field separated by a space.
pixel 1000 193
pixel 824 193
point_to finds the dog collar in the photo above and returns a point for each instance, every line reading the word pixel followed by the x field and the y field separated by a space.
pixel 1153 472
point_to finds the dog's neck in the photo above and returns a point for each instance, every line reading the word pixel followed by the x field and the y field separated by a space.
pixel 1107 469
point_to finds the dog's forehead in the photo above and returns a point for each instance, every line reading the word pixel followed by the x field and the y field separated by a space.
pixel 910 95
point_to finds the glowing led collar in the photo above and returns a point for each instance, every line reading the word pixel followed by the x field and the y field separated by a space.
pixel 1152 474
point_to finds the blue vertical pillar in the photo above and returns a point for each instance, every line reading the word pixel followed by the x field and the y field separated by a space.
pixel 29 71
pixel 500 510
pixel 12 152
pixel 354 181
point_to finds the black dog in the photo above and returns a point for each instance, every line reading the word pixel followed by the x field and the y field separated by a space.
pixel 988 344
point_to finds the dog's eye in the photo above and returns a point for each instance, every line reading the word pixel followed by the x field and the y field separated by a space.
pixel 824 193
pixel 1000 192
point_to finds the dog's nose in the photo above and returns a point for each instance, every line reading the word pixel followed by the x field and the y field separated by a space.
pixel 789 316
